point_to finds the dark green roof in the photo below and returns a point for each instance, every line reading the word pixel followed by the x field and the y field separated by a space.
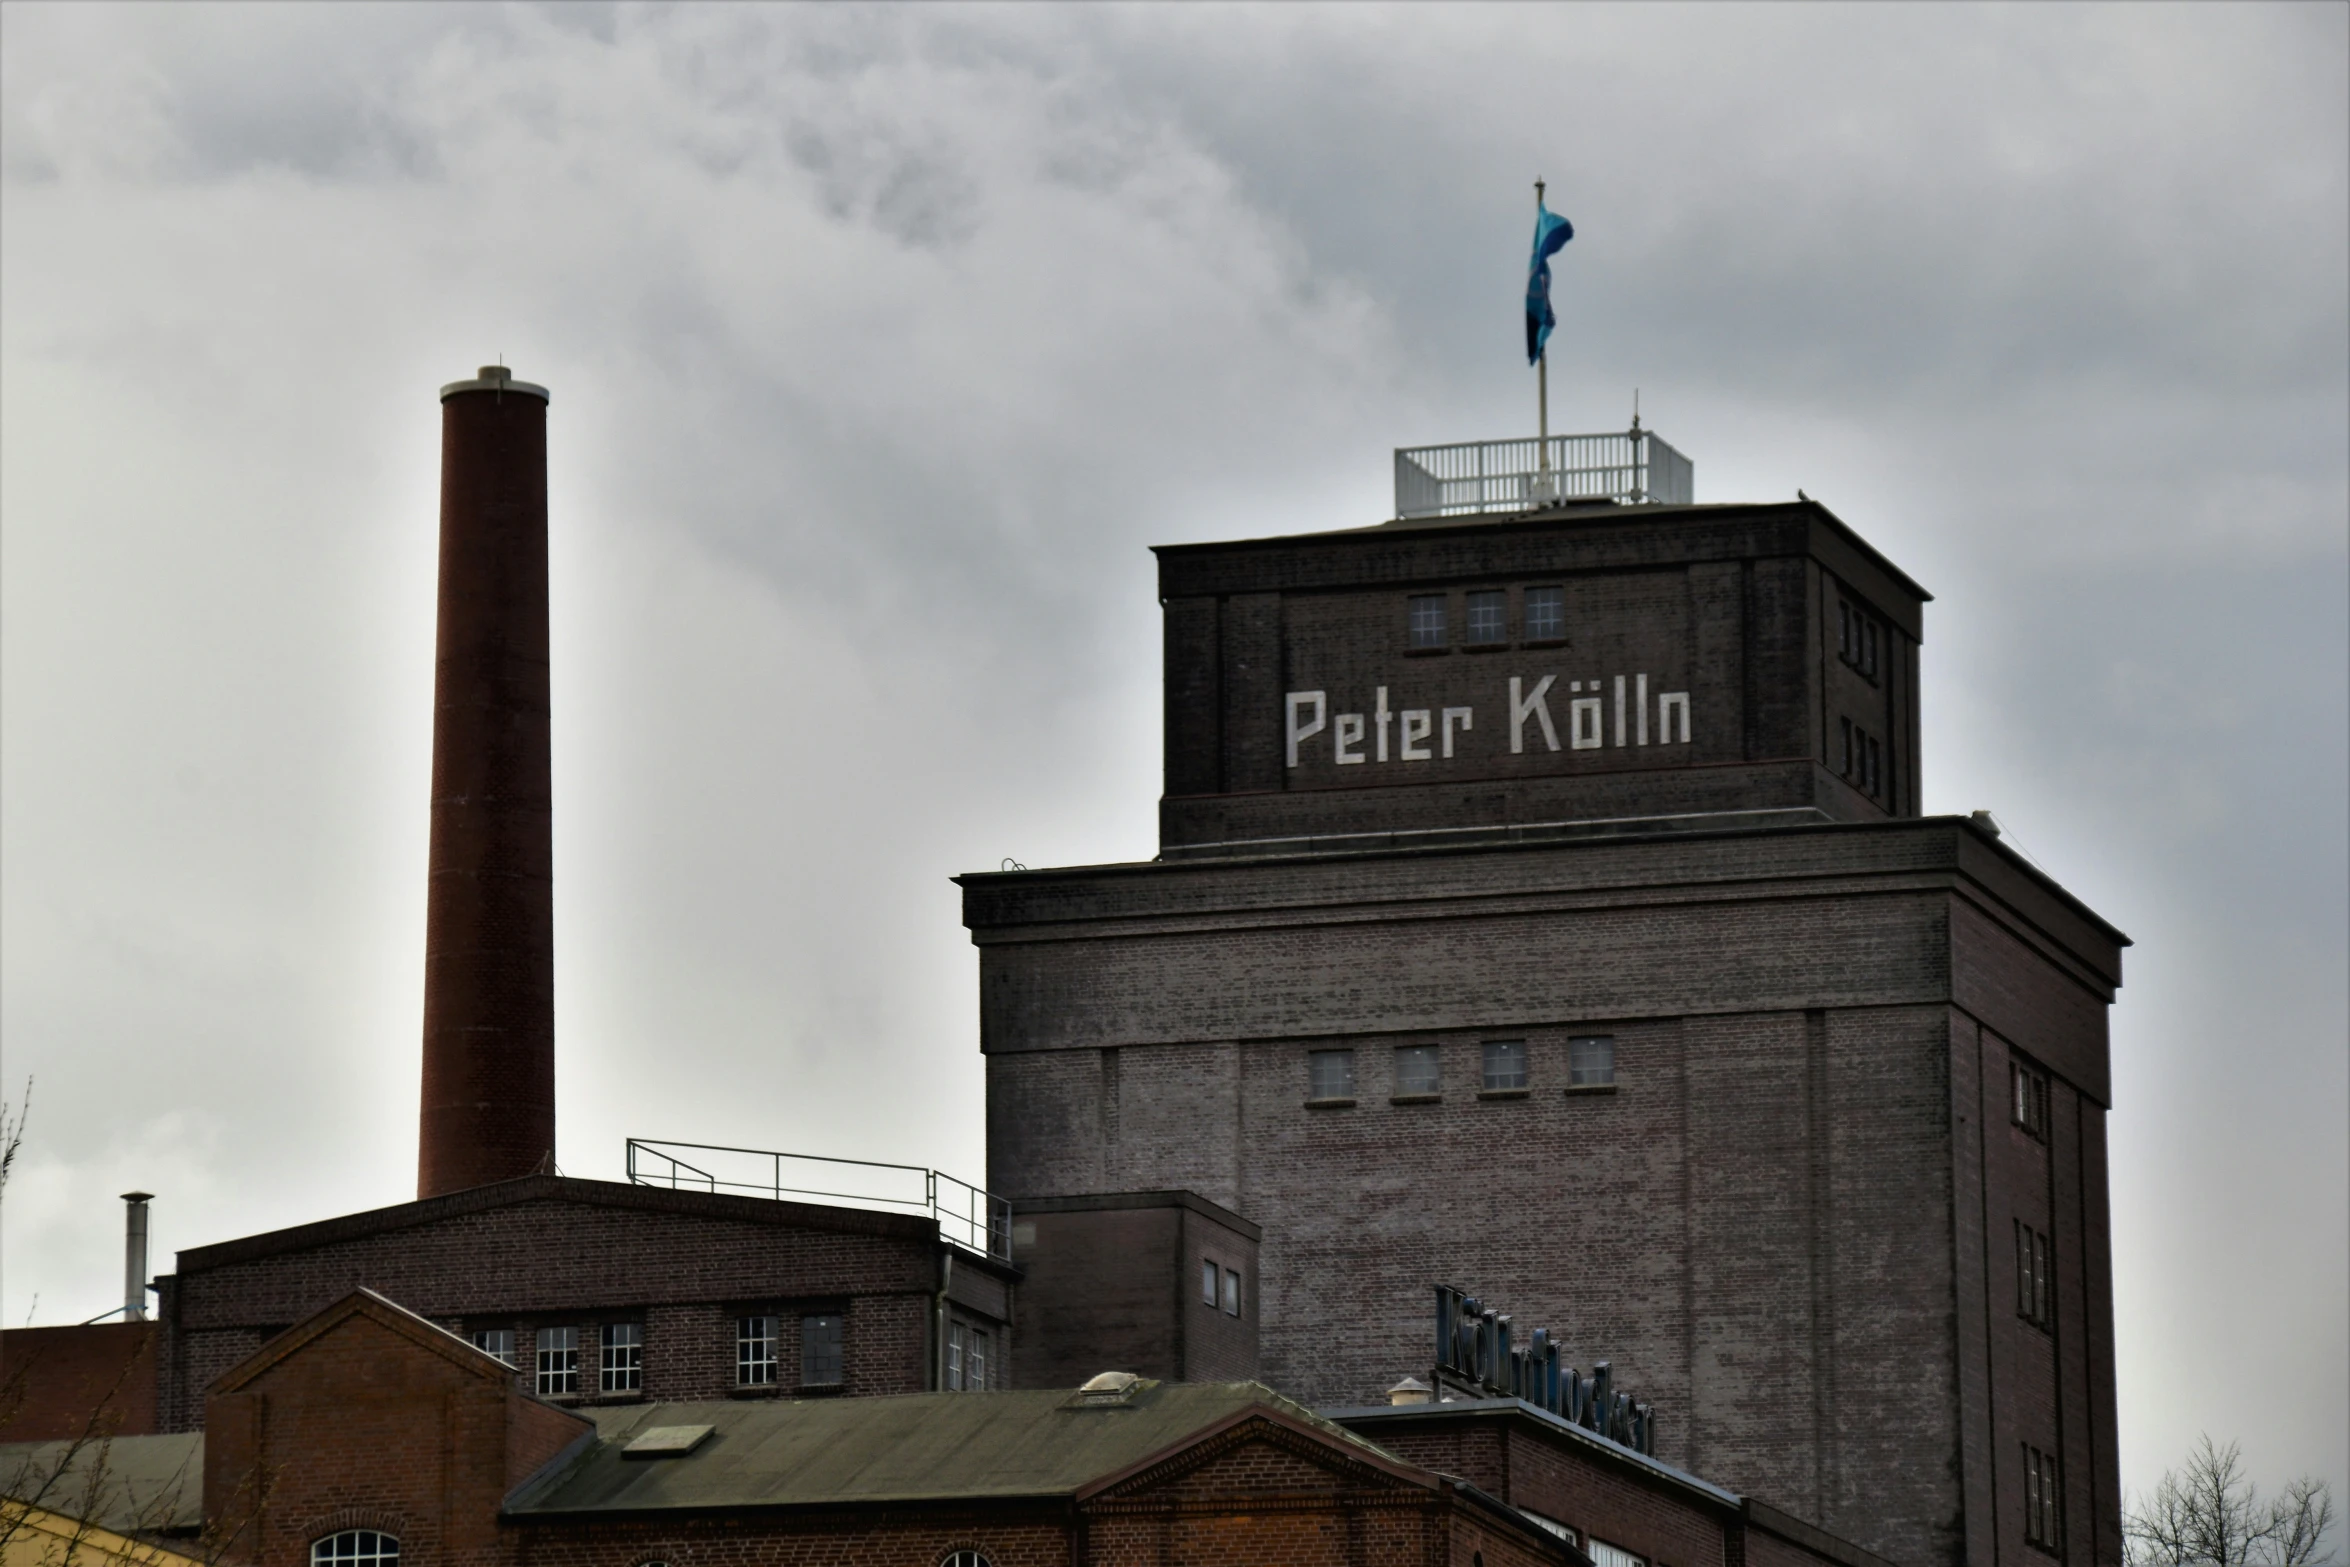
pixel 130 1484
pixel 912 1447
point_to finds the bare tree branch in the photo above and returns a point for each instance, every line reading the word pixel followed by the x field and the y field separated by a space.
pixel 2208 1513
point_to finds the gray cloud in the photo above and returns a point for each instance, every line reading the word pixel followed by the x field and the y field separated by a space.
pixel 883 342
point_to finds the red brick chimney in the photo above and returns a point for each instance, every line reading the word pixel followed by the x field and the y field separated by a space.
pixel 489 925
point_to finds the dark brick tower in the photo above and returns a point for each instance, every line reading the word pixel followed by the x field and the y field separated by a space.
pixel 489 947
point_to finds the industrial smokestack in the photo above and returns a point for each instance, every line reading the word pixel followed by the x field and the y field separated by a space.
pixel 489 948
pixel 134 1255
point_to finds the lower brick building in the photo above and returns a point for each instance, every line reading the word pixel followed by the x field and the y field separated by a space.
pixel 369 1437
pixel 595 1290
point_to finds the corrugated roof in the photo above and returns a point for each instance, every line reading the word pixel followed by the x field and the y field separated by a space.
pixel 916 1446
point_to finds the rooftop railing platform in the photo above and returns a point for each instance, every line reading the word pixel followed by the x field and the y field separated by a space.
pixel 969 1217
pixel 1633 467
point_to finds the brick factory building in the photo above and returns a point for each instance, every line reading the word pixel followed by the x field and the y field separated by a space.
pixel 1543 905
pixel 368 1435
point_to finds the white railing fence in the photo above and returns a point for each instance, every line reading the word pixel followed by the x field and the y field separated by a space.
pixel 1635 467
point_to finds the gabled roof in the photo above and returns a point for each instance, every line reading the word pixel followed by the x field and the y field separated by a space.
pixel 915 1447
pixel 367 1303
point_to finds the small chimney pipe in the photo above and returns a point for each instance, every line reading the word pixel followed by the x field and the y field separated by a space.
pixel 134 1255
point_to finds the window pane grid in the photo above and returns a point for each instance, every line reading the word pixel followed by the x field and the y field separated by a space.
pixel 622 1368
pixel 1546 614
pixel 558 1362
pixel 1505 1064
pixel 821 1356
pixel 1591 1061
pixel 1417 1069
pixel 1427 621
pixel 498 1342
pixel 1330 1074
pixel 1488 620
pixel 754 1352
pixel 356 1548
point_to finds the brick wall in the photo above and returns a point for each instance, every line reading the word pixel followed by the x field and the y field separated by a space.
pixel 1113 1284
pixel 551 1252
pixel 365 1428
pixel 1736 607
pixel 1765 1226
pixel 57 1384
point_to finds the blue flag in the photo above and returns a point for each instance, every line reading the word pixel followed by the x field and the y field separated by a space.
pixel 1550 233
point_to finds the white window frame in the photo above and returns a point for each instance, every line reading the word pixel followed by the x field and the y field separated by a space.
pixel 758 1350
pixel 368 1548
pixel 555 1357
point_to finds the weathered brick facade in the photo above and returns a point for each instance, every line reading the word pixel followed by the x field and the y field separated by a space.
pixel 367 1417
pixel 1114 1283
pixel 548 1251
pixel 1790 1218
pixel 1605 1495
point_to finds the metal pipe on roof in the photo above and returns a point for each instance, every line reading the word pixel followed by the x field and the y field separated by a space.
pixel 134 1255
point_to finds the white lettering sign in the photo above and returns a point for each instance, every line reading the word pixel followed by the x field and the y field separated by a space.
pixel 1298 731
pixel 1613 711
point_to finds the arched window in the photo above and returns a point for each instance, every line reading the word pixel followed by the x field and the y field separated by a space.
pixel 356 1548
pixel 965 1559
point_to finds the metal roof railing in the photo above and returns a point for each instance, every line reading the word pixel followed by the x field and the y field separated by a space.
pixel 970 1217
pixel 1636 466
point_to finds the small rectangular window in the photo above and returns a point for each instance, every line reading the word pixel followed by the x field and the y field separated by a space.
pixel 2035 1276
pixel 1868 657
pixel 1606 1555
pixel 558 1362
pixel 954 1367
pixel 1591 1061
pixel 1231 1292
pixel 1330 1074
pixel 498 1342
pixel 2031 1098
pixel 1488 617
pixel 755 1351
pixel 1505 1064
pixel 1427 621
pixel 975 1362
pixel 622 1369
pixel 820 1351
pixel 2043 1501
pixel 1546 614
pixel 1417 1069
pixel 1207 1283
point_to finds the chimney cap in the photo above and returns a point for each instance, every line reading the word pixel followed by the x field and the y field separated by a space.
pixel 138 1196
pixel 495 378
pixel 1411 1390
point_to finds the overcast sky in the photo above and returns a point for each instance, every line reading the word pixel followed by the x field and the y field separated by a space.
pixel 884 341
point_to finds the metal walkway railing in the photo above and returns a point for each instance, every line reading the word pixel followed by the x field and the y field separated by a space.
pixel 971 1218
pixel 1635 466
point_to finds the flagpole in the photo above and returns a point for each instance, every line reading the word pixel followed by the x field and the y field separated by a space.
pixel 1541 377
